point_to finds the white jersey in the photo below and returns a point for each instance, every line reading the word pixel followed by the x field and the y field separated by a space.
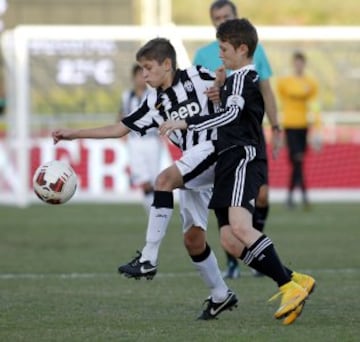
pixel 185 98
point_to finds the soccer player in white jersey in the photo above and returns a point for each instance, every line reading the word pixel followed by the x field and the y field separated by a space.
pixel 144 152
pixel 176 94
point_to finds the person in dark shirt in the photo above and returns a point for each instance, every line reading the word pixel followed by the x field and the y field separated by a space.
pixel 238 172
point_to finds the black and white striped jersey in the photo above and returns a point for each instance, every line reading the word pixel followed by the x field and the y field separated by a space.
pixel 129 103
pixel 239 123
pixel 185 98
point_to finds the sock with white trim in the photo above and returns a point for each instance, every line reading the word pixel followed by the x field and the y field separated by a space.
pixel 262 256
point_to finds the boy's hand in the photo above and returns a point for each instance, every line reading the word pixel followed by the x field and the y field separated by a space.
pixel 62 134
pixel 220 76
pixel 213 93
pixel 168 126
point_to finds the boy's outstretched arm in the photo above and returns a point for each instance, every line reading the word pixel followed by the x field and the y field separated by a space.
pixel 117 130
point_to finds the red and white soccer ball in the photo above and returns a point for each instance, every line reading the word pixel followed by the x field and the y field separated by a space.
pixel 55 182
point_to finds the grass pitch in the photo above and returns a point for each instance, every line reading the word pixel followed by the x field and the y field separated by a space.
pixel 59 281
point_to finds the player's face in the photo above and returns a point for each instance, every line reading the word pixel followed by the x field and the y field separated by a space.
pixel 299 66
pixel 232 58
pixel 219 15
pixel 156 75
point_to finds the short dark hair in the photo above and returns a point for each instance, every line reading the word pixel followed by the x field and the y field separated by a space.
pixel 135 69
pixel 237 32
pixel 299 55
pixel 222 3
pixel 157 49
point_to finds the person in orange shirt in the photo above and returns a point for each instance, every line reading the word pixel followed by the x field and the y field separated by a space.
pixel 298 94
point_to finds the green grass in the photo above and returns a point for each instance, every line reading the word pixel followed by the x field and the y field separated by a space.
pixel 58 279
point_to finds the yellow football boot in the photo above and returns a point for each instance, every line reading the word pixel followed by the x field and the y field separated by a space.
pixel 305 281
pixel 308 284
pixel 292 295
pixel 293 315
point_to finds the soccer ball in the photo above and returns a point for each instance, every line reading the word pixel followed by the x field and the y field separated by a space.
pixel 55 182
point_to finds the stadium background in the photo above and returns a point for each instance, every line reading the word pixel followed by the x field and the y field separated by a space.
pixel 58 279
pixel 79 84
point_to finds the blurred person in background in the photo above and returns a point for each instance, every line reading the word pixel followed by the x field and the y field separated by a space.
pixel 144 152
pixel 298 94
pixel 3 8
pixel 209 57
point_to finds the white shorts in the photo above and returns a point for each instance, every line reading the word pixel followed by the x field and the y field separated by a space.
pixel 144 156
pixel 197 166
pixel 194 208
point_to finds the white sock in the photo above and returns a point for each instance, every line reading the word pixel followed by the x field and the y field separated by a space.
pixel 148 200
pixel 159 219
pixel 211 275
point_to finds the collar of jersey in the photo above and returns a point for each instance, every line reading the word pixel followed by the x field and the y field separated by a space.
pixel 174 82
pixel 246 67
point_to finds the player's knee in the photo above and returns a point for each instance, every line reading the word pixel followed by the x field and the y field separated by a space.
pixel 241 230
pixel 169 179
pixel 195 240
pixel 227 242
pixel 163 182
pixel 262 199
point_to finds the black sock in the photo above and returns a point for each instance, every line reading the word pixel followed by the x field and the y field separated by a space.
pixel 259 217
pixel 254 263
pixel 262 257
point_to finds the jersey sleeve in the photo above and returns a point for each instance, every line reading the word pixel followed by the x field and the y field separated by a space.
pixel 234 105
pixel 281 87
pixel 145 117
pixel 262 64
pixel 204 73
pixel 314 103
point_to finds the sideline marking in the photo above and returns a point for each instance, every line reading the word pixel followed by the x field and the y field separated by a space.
pixel 9 276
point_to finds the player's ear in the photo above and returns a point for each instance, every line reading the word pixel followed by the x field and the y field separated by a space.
pixel 244 49
pixel 167 64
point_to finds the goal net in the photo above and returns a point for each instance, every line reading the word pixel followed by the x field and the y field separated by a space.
pixel 69 76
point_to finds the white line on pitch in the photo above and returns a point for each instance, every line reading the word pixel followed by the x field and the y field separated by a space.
pixel 6 276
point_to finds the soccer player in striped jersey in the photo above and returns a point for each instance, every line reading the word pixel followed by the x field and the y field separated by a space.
pixel 238 172
pixel 175 94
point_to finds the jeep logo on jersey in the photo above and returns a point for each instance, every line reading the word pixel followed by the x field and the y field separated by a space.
pixel 183 110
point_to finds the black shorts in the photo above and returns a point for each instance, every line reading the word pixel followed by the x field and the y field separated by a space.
pixel 238 176
pixel 296 140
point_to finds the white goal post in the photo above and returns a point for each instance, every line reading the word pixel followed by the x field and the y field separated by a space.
pixel 97 56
